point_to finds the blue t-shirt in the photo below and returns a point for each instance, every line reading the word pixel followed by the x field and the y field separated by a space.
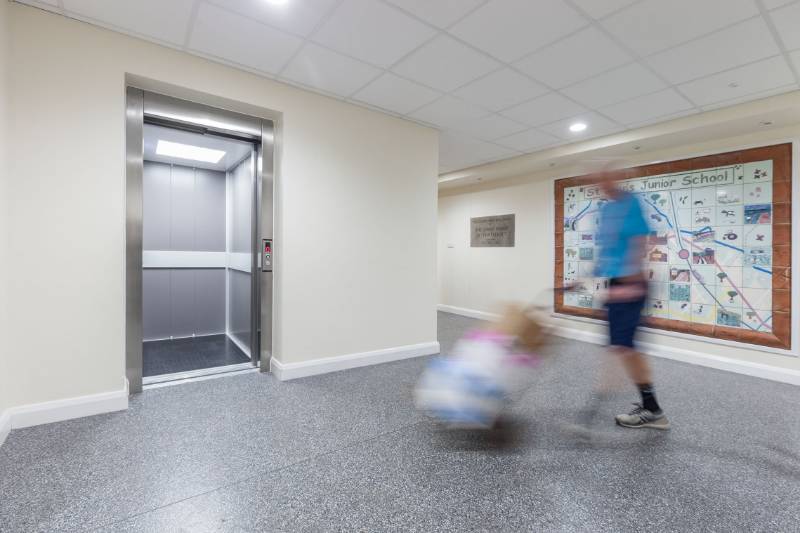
pixel 621 221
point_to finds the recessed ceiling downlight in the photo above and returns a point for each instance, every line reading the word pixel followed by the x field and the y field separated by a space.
pixel 187 151
pixel 277 2
pixel 577 127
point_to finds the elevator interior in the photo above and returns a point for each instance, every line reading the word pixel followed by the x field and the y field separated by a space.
pixel 199 243
pixel 198 194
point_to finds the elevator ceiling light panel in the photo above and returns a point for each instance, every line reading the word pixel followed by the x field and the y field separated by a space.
pixel 187 151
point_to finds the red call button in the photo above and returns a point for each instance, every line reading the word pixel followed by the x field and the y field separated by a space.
pixel 267 248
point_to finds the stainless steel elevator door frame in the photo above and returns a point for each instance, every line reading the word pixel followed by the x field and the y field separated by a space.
pixel 144 106
pixel 134 171
pixel 265 173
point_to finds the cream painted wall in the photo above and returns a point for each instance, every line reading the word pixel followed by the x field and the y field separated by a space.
pixel 356 225
pixel 482 278
pixel 479 279
pixel 5 41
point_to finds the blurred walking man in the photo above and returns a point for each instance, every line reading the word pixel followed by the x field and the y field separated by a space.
pixel 622 237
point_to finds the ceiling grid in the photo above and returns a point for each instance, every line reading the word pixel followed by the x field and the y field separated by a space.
pixel 319 24
pixel 499 78
pixel 778 39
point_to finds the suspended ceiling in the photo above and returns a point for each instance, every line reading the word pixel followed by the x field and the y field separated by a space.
pixel 499 78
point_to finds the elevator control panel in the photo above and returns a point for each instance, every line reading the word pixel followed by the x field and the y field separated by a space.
pixel 266 255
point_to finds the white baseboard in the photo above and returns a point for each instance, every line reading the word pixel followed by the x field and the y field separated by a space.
pixel 471 313
pixel 58 410
pixel 5 425
pixel 759 370
pixel 287 371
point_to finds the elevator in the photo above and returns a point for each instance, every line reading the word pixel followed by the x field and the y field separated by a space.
pixel 199 240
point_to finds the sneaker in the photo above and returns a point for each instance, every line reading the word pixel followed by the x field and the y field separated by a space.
pixel 643 418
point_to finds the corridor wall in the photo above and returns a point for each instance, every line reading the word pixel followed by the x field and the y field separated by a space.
pixel 5 377
pixel 476 281
pixel 351 184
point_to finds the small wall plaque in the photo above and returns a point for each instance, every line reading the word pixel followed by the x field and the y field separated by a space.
pixel 492 232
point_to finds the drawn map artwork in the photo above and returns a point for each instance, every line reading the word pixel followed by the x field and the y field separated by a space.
pixel 709 253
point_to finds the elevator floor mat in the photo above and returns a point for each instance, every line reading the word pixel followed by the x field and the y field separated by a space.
pixel 194 353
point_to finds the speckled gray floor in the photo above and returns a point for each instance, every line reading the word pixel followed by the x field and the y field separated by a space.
pixel 347 452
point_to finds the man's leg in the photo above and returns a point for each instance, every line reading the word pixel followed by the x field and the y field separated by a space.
pixel 649 413
pixel 638 368
pixel 623 322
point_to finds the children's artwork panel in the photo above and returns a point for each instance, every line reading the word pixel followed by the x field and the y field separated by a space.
pixel 712 252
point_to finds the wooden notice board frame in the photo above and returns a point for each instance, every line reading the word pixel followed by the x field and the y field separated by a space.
pixel 781 156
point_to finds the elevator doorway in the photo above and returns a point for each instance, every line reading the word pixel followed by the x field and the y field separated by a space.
pixel 199 240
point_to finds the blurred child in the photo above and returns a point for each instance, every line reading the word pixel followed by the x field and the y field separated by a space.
pixel 472 387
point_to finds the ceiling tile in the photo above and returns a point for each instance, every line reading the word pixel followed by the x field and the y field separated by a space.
pixel 510 29
pixel 528 141
pixel 751 97
pixel 372 31
pixel 46 4
pixel 447 165
pixel 490 127
pixel 664 118
pixel 451 143
pixel 440 13
pixel 648 107
pixel 787 22
pixel 299 17
pixel 772 4
pixel 597 127
pixel 654 25
pixel 598 9
pixel 449 113
pixel 445 64
pixel 743 43
pixel 545 109
pixel 396 94
pixel 166 21
pixel 575 58
pixel 795 56
pixel 450 161
pixel 615 86
pixel 460 151
pixel 247 42
pixel 455 162
pixel 750 79
pixel 324 69
pixel 501 89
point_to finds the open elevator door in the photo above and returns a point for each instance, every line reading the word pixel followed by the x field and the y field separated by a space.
pixel 251 252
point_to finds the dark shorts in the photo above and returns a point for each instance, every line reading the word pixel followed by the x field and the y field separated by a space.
pixel 623 319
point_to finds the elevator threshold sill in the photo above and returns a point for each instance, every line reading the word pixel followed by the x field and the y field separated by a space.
pixel 195 375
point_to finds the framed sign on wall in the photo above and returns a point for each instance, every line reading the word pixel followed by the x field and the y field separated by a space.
pixel 493 232
pixel 718 257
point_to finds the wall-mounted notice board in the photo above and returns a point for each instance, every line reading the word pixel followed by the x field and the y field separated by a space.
pixel 718 257
pixel 492 232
